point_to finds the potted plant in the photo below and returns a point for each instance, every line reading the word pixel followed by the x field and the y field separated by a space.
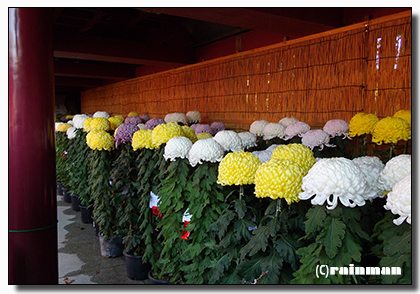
pixel 61 147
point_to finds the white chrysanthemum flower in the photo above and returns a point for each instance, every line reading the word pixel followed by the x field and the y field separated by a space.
pixel 177 147
pixel 141 126
pixel 78 120
pixel 371 167
pixel 296 129
pixel 176 117
pixel 101 114
pixel 395 169
pixel 263 155
pixel 336 178
pixel 272 147
pixel 248 139
pixel 257 127
pixel 337 127
pixel 205 150
pixel 194 116
pixel 286 121
pixel 399 200
pixel 273 130
pixel 57 123
pixel 316 138
pixel 229 140
pixel 71 133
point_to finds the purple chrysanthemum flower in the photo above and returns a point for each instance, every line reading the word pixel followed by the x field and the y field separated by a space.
pixel 152 123
pixel 124 133
pixel 202 128
pixel 217 126
pixel 135 120
pixel 144 118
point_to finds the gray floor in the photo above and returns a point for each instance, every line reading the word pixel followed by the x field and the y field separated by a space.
pixel 79 256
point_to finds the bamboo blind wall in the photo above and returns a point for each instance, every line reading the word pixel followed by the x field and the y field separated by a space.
pixel 336 74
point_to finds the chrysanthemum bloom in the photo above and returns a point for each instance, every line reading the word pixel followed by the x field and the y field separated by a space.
pixel 257 127
pixel 78 120
pixel 176 117
pixel 163 132
pixel 248 139
pixel 217 126
pixel 238 168
pixel 142 139
pixel 287 121
pixel 371 166
pixel 316 138
pixel 189 133
pixel 229 140
pixel 263 155
pixel 337 127
pixel 336 178
pixel 152 123
pixel 100 140
pixel 100 123
pixel 121 117
pixel 362 123
pixel 133 120
pixel 296 129
pixel 395 169
pixel 115 122
pixel 205 150
pixel 399 200
pixel 298 153
pixel 124 133
pixel 273 130
pixel 279 178
pixel 144 118
pixel 71 133
pixel 404 114
pixel 86 124
pixel 391 130
pixel 63 127
pixel 141 126
pixel 201 128
pixel 204 136
pixel 177 147
pixel 133 113
pixel 194 116
pixel 57 123
pixel 101 114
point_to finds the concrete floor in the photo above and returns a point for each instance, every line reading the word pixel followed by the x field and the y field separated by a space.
pixel 79 256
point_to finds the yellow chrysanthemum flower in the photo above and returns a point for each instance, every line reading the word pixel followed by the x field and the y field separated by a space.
pixel 404 114
pixel 63 127
pixel 189 133
pixel 238 168
pixel 100 140
pixel 164 132
pixel 362 123
pixel 119 116
pixel 115 122
pixel 133 113
pixel 391 130
pixel 298 153
pixel 69 116
pixel 203 135
pixel 279 178
pixel 86 124
pixel 100 123
pixel 142 139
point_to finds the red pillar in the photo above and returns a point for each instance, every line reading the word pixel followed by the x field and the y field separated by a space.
pixel 32 184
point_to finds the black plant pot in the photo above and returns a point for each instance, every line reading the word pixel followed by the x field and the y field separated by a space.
pixel 66 194
pixel 86 214
pixel 75 202
pixel 135 268
pixel 156 281
pixel 111 247
pixel 59 188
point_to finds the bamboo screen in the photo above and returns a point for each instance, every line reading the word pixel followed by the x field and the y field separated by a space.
pixel 360 68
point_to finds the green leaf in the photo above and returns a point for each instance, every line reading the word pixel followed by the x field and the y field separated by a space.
pixel 315 217
pixel 286 246
pixel 240 208
pixel 218 270
pixel 332 235
pixel 399 244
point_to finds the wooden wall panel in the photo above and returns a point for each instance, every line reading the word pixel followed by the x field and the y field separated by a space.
pixel 365 67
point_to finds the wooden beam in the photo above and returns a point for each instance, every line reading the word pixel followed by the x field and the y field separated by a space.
pixel 248 18
pixel 120 51
pixel 92 70
pixel 78 82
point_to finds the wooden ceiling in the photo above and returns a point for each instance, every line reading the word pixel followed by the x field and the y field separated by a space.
pixel 97 46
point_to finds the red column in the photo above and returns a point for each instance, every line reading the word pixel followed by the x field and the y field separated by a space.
pixel 32 184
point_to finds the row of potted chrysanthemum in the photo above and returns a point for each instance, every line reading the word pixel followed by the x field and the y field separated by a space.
pixel 220 246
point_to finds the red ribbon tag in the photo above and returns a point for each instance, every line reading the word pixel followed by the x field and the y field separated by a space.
pixel 185 234
pixel 155 211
